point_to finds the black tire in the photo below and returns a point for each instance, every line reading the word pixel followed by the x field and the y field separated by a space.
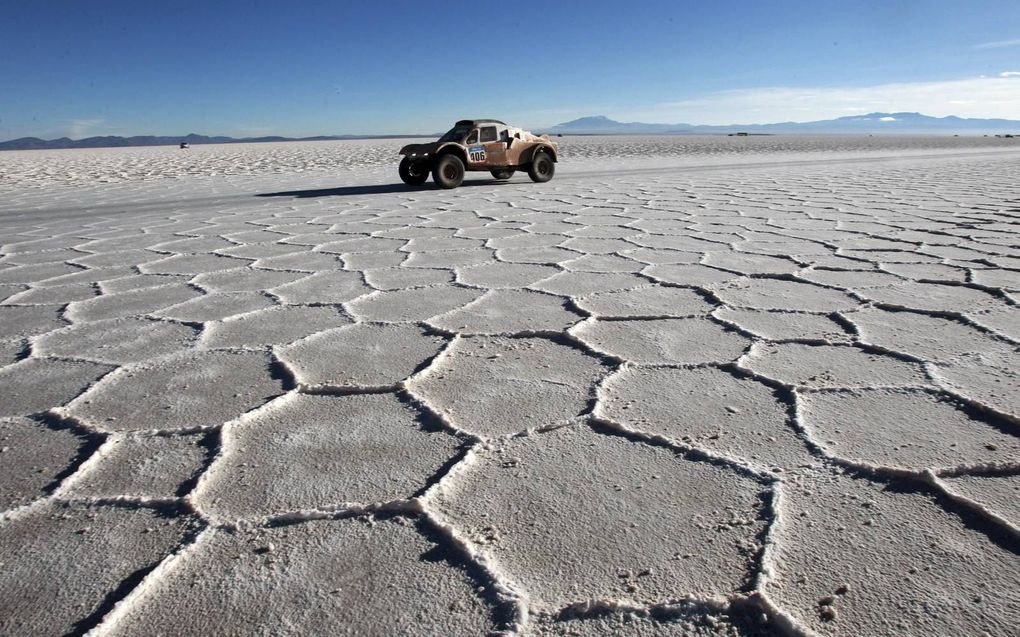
pixel 411 174
pixel 504 173
pixel 448 171
pixel 542 167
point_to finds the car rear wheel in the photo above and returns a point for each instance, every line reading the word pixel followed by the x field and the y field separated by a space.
pixel 412 174
pixel 505 173
pixel 448 171
pixel 542 167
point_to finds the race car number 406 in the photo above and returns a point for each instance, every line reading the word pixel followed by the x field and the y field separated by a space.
pixel 476 153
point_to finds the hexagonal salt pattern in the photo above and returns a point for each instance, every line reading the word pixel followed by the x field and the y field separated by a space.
pixel 782 325
pixel 320 452
pixel 857 557
pixel 706 408
pixel 22 321
pixel 818 366
pixel 775 294
pixel 80 560
pixel 904 429
pixel 118 341
pixel 163 465
pixel 35 385
pixel 130 303
pixel 509 312
pixel 498 386
pixel 33 456
pixel 178 392
pixel 751 400
pixel 555 547
pixel 649 302
pixel 272 326
pixel 378 577
pixel 687 341
pixel 360 356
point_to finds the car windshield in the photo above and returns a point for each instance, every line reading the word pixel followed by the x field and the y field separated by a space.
pixel 455 134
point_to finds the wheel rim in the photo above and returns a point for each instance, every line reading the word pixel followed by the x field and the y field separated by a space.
pixel 543 167
pixel 449 172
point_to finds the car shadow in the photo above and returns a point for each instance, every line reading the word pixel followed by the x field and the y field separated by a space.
pixel 380 189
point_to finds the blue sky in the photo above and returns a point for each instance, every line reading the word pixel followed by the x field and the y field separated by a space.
pixel 258 67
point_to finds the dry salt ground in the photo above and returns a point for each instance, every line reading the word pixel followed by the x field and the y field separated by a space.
pixel 692 386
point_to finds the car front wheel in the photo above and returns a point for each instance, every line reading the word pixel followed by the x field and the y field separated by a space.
pixel 542 168
pixel 412 174
pixel 448 171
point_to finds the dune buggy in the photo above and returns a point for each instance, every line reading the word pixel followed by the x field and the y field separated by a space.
pixel 479 145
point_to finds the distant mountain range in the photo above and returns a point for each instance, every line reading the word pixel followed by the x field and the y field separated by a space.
pixel 112 141
pixel 872 123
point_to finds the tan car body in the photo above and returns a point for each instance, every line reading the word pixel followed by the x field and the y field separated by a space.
pixel 512 148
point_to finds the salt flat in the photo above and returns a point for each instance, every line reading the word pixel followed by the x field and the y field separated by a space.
pixel 691 386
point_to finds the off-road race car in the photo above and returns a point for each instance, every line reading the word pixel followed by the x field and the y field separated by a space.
pixel 477 145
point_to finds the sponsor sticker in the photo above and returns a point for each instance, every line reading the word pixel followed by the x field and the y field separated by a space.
pixel 476 154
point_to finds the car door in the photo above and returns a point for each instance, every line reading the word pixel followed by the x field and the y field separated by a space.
pixel 495 148
pixel 475 151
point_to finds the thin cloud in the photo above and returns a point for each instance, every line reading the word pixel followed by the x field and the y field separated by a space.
pixel 1001 44
pixel 991 97
pixel 1010 74
pixel 79 128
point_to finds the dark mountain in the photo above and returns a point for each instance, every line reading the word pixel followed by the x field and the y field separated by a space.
pixel 872 123
pixel 108 141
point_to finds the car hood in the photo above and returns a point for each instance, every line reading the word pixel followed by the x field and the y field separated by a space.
pixel 420 149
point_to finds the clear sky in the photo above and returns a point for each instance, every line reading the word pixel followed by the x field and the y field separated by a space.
pixel 95 67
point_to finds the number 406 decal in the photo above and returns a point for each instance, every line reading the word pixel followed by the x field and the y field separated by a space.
pixel 476 154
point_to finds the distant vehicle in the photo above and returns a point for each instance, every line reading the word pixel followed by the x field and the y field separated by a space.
pixel 479 145
pixel 185 145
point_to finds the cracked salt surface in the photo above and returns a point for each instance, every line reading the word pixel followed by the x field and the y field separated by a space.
pixel 573 515
pixel 688 341
pixel 360 356
pixel 488 386
pixel 775 294
pixel 20 321
pixel 34 456
pixel 131 303
pixel 34 385
pixel 347 576
pixel 416 304
pixel 903 429
pixel 509 312
pixel 178 392
pixel 854 557
pixel 1000 494
pixel 322 452
pixel 781 325
pixel 688 619
pixel 161 466
pixel 78 559
pixel 117 341
pixel 709 409
pixel 817 366
pixel 688 397
pixel 649 302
